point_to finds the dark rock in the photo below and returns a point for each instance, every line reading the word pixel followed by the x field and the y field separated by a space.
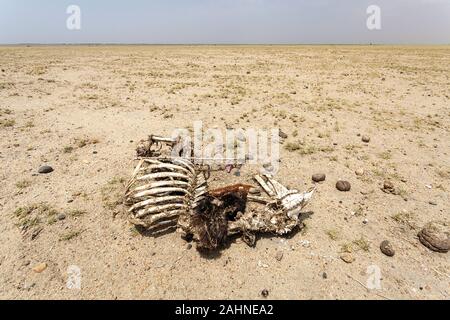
pixel 365 139
pixel 318 177
pixel 388 185
pixel 282 134
pixel 61 216
pixel 432 203
pixel 387 249
pixel 343 185
pixel 435 238
pixel 45 169
pixel 265 293
pixel 324 275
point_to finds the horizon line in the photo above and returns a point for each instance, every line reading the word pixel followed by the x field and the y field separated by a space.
pixel 213 44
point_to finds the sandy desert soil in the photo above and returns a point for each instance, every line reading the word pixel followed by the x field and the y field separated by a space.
pixel 83 109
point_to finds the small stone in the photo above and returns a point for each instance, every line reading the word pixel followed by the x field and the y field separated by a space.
pixel 387 249
pixel 343 186
pixel 347 257
pixel 189 246
pixel 45 169
pixel 365 139
pixel 388 185
pixel 282 134
pixel 359 172
pixel 324 275
pixel 61 216
pixel 265 293
pixel 435 237
pixel 279 255
pixel 432 203
pixel 40 267
pixel 318 177
pixel 365 221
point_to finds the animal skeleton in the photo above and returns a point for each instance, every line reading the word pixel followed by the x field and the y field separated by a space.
pixel 167 193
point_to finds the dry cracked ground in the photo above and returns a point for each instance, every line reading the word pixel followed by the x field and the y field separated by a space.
pixel 82 110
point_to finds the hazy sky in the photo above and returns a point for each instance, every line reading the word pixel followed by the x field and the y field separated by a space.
pixel 225 21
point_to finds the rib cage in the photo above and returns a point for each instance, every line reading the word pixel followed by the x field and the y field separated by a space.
pixel 160 190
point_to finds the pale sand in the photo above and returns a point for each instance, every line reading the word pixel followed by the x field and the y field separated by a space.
pixel 58 96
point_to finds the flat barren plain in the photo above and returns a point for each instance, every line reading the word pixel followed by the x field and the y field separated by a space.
pixel 83 109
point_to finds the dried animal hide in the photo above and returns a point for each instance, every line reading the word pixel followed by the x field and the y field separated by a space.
pixel 209 221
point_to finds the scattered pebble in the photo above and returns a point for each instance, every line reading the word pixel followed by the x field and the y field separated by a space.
pixel 365 139
pixel 343 185
pixel 265 293
pixel 61 216
pixel 40 267
pixel 324 275
pixel 359 172
pixel 45 169
pixel 189 246
pixel 365 221
pixel 388 185
pixel 279 255
pixel 387 249
pixel 435 237
pixel 282 134
pixel 347 257
pixel 319 177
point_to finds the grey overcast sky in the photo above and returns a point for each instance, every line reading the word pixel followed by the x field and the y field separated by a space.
pixel 225 21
